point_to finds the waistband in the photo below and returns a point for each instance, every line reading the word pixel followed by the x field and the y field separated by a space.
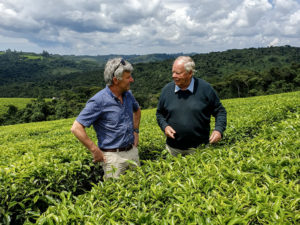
pixel 124 149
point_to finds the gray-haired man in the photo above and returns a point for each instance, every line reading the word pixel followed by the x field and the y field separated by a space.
pixel 115 116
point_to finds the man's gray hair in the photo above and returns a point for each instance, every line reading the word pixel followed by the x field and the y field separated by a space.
pixel 115 68
pixel 188 62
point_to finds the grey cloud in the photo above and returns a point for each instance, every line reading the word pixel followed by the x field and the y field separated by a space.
pixel 79 26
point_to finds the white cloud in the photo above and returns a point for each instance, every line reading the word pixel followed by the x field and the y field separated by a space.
pixel 274 42
pixel 142 26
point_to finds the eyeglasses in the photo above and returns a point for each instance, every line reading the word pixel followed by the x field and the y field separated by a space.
pixel 121 62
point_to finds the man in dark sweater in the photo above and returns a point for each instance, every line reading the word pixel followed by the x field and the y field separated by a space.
pixel 185 108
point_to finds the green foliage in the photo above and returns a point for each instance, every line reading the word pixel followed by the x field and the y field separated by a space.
pixel 250 177
pixel 233 73
pixel 33 75
pixel 102 59
pixel 20 103
pixel 68 105
pixel 38 161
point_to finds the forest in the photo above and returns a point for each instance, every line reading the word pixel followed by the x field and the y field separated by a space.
pixel 71 80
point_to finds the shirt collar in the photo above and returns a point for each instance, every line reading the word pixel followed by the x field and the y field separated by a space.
pixel 111 93
pixel 190 87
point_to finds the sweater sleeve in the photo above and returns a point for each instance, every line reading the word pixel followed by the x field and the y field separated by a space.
pixel 219 112
pixel 161 113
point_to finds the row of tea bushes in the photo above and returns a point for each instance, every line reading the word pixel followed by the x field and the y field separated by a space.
pixel 41 161
pixel 38 161
pixel 250 182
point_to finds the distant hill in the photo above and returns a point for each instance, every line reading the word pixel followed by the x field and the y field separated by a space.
pixel 233 73
pixel 102 59
pixel 18 102
pixel 31 75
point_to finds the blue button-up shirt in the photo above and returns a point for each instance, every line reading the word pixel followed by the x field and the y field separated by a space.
pixel 112 120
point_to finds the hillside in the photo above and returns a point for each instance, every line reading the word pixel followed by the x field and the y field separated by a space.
pixel 250 177
pixel 233 73
pixel 17 102
pixel 32 75
pixel 102 59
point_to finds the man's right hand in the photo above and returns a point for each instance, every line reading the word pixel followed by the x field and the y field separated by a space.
pixel 170 132
pixel 98 156
pixel 79 131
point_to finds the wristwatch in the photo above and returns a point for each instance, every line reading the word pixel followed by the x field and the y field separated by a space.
pixel 136 131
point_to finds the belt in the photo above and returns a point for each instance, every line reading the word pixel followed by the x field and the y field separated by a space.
pixel 124 149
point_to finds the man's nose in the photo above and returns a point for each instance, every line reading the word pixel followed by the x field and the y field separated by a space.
pixel 175 75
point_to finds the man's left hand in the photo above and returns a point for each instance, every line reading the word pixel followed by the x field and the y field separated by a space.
pixel 215 137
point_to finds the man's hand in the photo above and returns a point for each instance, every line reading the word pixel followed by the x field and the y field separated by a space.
pixel 215 137
pixel 98 156
pixel 170 132
pixel 79 131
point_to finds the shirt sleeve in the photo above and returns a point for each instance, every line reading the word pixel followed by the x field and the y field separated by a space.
pixel 89 114
pixel 135 104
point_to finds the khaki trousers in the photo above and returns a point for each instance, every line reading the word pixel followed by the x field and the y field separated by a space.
pixel 118 162
pixel 176 151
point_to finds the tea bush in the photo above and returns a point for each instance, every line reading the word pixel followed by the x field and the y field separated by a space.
pixel 250 177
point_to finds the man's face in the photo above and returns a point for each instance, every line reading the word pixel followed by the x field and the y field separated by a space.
pixel 181 78
pixel 124 84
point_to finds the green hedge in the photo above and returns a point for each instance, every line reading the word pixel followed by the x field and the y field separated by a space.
pixel 248 178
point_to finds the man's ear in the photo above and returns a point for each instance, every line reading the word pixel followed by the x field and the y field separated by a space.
pixel 115 80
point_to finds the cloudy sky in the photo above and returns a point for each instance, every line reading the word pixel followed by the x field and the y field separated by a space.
pixel 98 27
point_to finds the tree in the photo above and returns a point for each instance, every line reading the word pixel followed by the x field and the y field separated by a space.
pixel 45 54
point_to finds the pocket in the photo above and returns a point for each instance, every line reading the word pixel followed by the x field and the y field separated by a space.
pixel 110 157
pixel 135 155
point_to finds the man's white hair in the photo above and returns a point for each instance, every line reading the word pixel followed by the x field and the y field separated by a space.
pixel 188 62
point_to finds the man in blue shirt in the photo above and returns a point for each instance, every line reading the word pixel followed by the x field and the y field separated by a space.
pixel 115 116
pixel 185 108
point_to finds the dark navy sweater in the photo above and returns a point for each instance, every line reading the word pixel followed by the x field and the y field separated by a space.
pixel 189 114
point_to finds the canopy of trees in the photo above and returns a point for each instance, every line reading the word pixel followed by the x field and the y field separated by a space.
pixel 233 73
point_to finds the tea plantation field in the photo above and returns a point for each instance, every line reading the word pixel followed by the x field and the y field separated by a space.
pixel 250 177
pixel 20 103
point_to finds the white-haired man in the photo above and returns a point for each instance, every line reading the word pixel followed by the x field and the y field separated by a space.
pixel 185 108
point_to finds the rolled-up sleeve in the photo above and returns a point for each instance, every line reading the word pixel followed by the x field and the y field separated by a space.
pixel 135 105
pixel 89 114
